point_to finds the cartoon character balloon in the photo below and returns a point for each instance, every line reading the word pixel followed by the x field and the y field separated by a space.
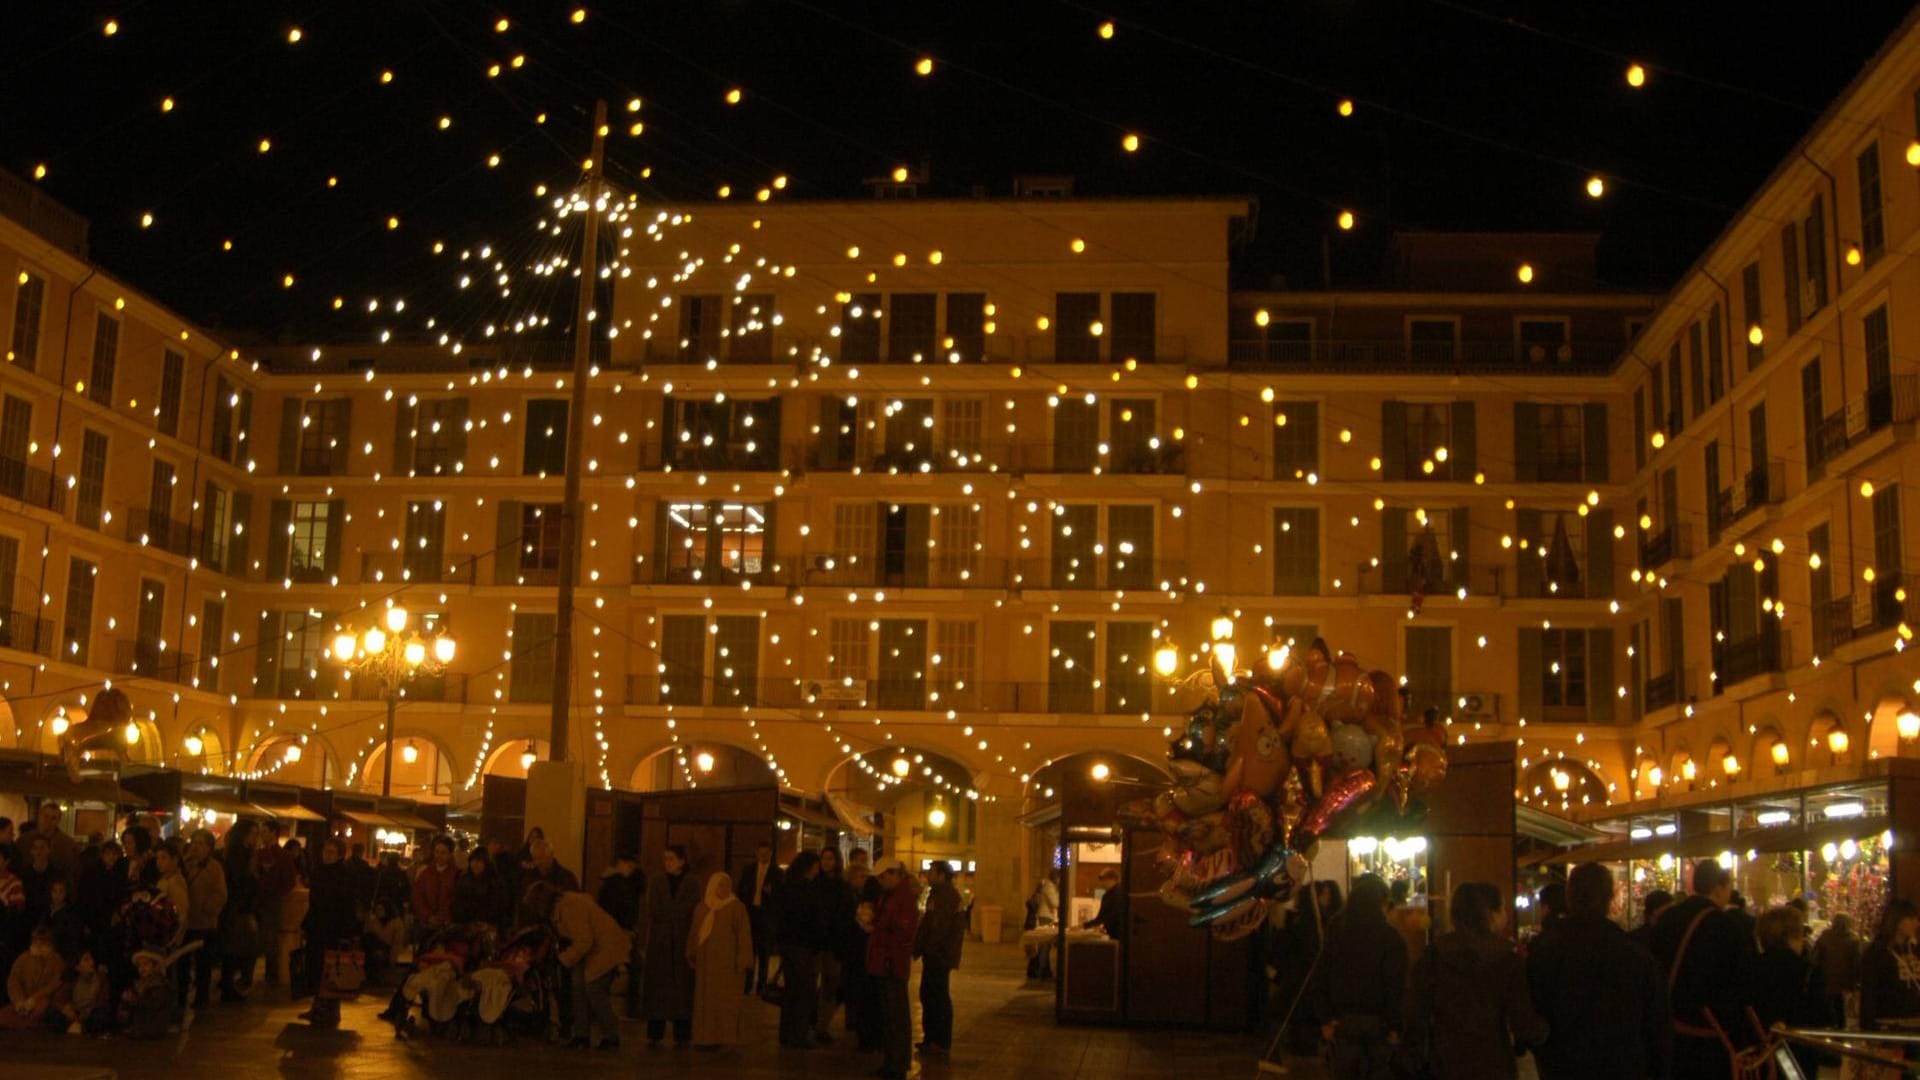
pixel 1266 765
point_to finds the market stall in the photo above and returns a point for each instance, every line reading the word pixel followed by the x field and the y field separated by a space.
pixel 93 802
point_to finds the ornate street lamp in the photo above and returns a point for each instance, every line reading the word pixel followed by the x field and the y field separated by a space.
pixel 393 654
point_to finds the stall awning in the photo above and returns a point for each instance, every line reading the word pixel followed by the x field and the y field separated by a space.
pixel 849 816
pixel 367 817
pixel 807 815
pixel 221 802
pixel 409 820
pixel 287 811
pixel 57 785
pixel 1550 828
pixel 1812 837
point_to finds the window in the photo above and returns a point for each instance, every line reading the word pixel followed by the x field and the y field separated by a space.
pixel 440 436
pixel 1132 333
pixel 1429 668
pixel 29 301
pixel 736 433
pixel 1561 443
pixel 1751 304
pixel 1716 357
pixel 1873 232
pixel 323 434
pixel 159 523
pixel 530 669
pixel 1130 547
pixel 424 557
pixel 716 541
pixel 1428 432
pixel 1697 362
pixel 855 539
pixel 232 413
pixel 1812 412
pixel 905 436
pixel 213 622
pixel 76 624
pixel 962 430
pixel 956 544
pixel 911 327
pixel 955 659
pixel 1076 328
pixel 16 432
pixel 690 646
pixel 1133 440
pixel 1432 341
pixel 1296 551
pixel 1879 360
pixel 1076 435
pixel 1563 675
pixel 539 537
pixel 847 658
pixel 308 537
pixel 683 659
pixel 11 635
pixel 106 358
pixel 1296 439
pixel 1544 341
pixel 302 643
pixel 92 484
pixel 545 453
pixel 1077 546
pixel 1639 427
pixel 1553 547
pixel 1076 536
pixel 1676 392
pixel 1820 589
pixel 1129 679
pixel 966 327
pixel 1566 675
pixel 173 372
pixel 860 329
pixel 1803 252
pixel 149 628
pixel 751 329
pixel 216 525
pixel 1070 672
pixel 736 660
pixel 902 676
pixel 700 321
pixel 1886 537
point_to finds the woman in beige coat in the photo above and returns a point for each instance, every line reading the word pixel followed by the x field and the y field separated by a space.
pixel 720 948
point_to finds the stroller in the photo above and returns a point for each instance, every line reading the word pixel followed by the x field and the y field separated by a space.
pixel 436 981
pixel 522 990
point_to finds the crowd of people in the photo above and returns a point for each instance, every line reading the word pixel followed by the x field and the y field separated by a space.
pixel 128 935
pixel 1701 982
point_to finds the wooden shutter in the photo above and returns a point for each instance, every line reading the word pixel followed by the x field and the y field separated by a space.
pixel 456 417
pixel 1593 423
pixel 1531 579
pixel 1601 691
pixel 506 542
pixel 1393 440
pixel 1790 259
pixel 660 555
pixel 289 436
pixel 1600 554
pixel 266 655
pixel 1466 442
pixel 340 456
pixel 242 526
pixel 1393 549
pixel 405 416
pixel 1526 441
pixel 279 518
pixel 336 528
pixel 1460 570
pixel 827 443
pixel 919 556
pixel 1531 662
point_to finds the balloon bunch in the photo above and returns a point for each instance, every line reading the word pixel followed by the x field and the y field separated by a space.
pixel 1269 763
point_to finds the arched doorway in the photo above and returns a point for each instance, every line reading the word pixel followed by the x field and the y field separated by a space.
pixel 300 760
pixel 700 763
pixel 514 757
pixel 1828 740
pixel 920 804
pixel 1772 754
pixel 422 769
pixel 1647 777
pixel 202 751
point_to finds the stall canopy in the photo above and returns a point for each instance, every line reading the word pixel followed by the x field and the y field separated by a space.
pixel 1536 824
pixel 807 815
pixel 221 802
pixel 407 819
pixel 368 817
pixel 42 777
pixel 284 811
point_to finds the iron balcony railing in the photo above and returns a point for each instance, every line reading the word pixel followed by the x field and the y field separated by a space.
pixel 1260 353
pixel 1895 400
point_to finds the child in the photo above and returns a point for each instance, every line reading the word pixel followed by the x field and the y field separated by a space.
pixel 83 1002
pixel 147 1007
pixel 32 982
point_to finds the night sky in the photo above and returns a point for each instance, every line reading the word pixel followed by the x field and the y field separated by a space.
pixel 1471 114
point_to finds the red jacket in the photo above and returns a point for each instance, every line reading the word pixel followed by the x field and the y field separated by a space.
pixel 275 866
pixel 433 895
pixel 890 943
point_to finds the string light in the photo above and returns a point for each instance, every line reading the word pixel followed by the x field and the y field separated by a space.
pixel 1636 76
pixel 924 66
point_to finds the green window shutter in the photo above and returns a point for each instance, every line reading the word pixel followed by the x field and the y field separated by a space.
pixel 1460 570
pixel 1594 423
pixel 289 436
pixel 1466 442
pixel 1393 549
pixel 1393 440
pixel 1526 441
pixel 342 455
pixel 1601 691
pixel 266 656
pixel 406 415
pixel 242 526
pixel 336 526
pixel 1600 554
pixel 279 517
pixel 1531 664
pixel 1531 579
pixel 506 542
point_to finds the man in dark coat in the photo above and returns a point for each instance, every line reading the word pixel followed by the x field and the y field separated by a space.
pixel 622 888
pixel 938 941
pixel 1707 954
pixel 1603 997
pixel 755 885
pixel 1357 987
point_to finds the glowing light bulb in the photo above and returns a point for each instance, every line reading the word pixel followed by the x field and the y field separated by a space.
pixel 937 818
pixel 415 653
pixel 703 761
pixel 1636 76
pixel 1262 317
pixel 1596 187
pixel 1100 771
pixel 733 96
pixel 194 745
pixel 1166 659
pixel 293 752
pixel 396 619
pixel 1078 245
pixel 1345 220
pixel 166 104
pixel 1837 741
pixel 1853 255
pixel 1525 273
pixel 1346 106
pixel 1779 753
pixel 1130 142
pixel 1106 30
pixel 900 174
pixel 294 35
pixel 901 767
pixel 579 16
pixel 443 649
pixel 374 641
pixel 924 65
pixel 110 28
pixel 1756 335
pixel 343 646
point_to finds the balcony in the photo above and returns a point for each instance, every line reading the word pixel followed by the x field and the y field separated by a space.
pixel 1661 691
pixel 1764 485
pixel 1895 401
pixel 31 485
pixel 153 528
pixel 1657 549
pixel 912 695
pixel 147 660
pixel 648 571
pixel 391 567
pixel 1884 606
pixel 449 686
pixel 20 630
pixel 1737 661
pixel 718 458
pixel 1396 355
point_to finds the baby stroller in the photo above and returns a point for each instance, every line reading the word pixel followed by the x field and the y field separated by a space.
pixel 437 980
pixel 522 990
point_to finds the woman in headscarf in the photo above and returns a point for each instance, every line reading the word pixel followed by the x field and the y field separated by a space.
pixel 721 952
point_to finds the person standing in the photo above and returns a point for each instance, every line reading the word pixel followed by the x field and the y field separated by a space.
pixel 274 866
pixel 757 883
pixel 1111 917
pixel 1786 987
pixel 862 990
pixel 1837 954
pixel 332 916
pixel 480 894
pixel 721 954
pixel 595 947
pixel 1890 970
pixel 1358 986
pixel 890 961
pixel 1471 1004
pixel 206 899
pixel 1043 910
pixel 1603 997
pixel 1707 953
pixel 432 892
pixel 13 906
pixel 1654 905
pixel 37 876
pixel 798 933
pixel 937 941
pixel 622 888
pixel 101 888
pixel 239 920
pixel 667 983
pixel 837 923
pixel 63 850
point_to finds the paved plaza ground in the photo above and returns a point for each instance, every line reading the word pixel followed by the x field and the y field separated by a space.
pixel 1004 1028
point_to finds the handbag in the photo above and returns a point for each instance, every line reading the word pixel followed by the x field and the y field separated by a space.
pixel 343 972
pixel 773 988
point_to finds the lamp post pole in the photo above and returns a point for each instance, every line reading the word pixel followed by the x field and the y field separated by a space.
pixel 386 759
pixel 576 440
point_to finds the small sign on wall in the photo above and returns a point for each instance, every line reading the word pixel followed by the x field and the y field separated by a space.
pixel 1093 852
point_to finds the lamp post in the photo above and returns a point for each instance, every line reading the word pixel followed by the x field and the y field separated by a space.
pixel 393 653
